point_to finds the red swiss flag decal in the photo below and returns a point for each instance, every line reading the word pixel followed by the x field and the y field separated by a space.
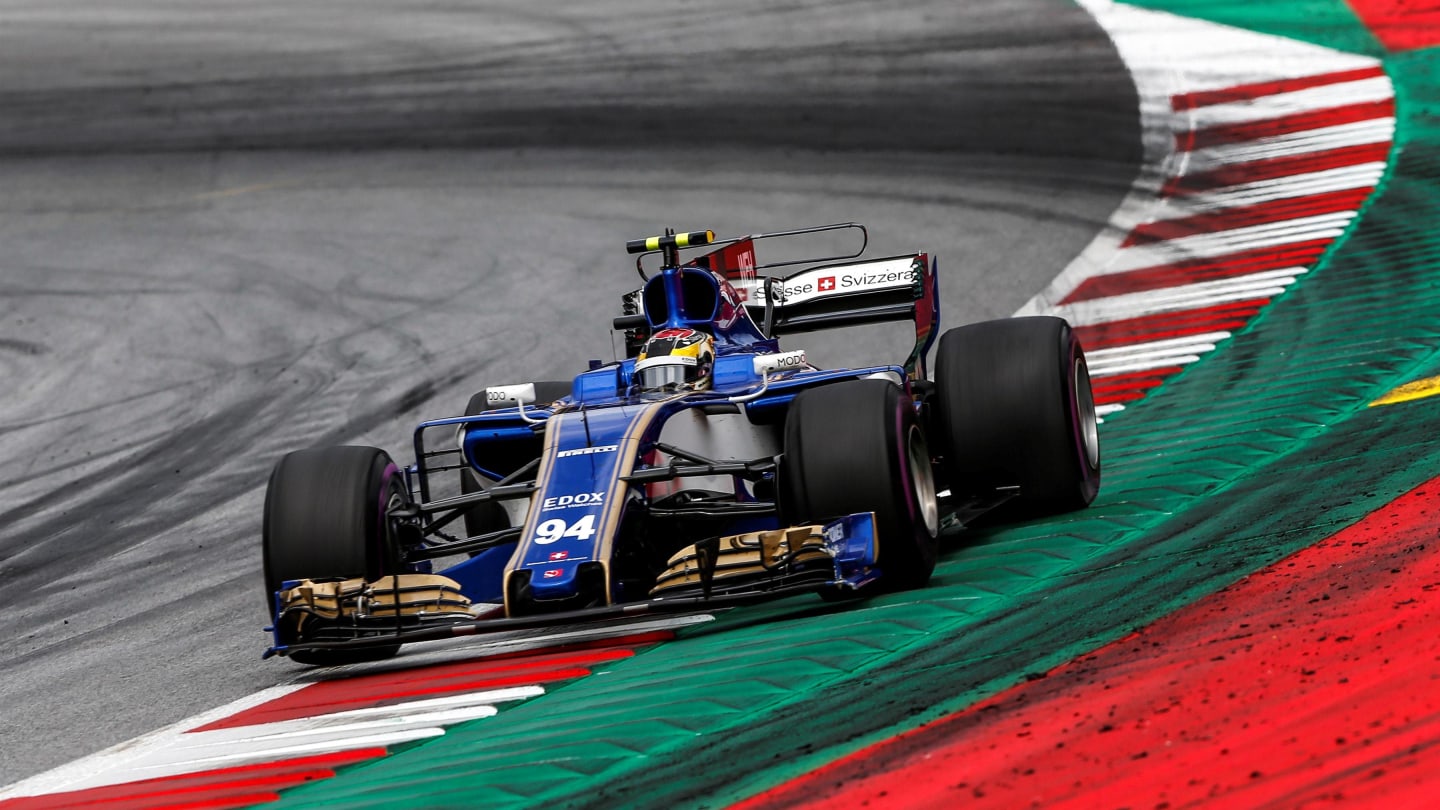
pixel 826 284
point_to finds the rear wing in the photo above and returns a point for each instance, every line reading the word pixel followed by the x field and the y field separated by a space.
pixel 899 288
pixel 827 296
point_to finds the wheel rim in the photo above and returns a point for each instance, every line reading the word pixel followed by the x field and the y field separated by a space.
pixel 923 479
pixel 1085 413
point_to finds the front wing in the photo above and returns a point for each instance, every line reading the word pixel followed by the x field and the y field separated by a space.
pixel 838 556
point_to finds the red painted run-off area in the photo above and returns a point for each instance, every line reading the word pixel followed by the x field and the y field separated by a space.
pixel 1401 25
pixel 1314 682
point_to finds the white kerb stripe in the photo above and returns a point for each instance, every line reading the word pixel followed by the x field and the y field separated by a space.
pixel 451 701
pixel 176 768
pixel 1146 352
pixel 1113 352
pixel 1172 299
pixel 1359 133
pixel 1145 365
pixel 1277 105
pixel 328 727
pixel 1223 243
pixel 1346 178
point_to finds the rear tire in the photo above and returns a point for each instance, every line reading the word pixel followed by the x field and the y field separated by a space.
pixel 856 446
pixel 1014 406
pixel 491 516
pixel 325 518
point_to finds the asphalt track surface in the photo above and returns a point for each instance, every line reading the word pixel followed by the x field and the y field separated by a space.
pixel 234 229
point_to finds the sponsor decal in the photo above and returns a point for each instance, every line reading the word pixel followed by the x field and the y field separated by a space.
pixel 509 396
pixel 554 572
pixel 553 529
pixel 556 556
pixel 877 279
pixel 781 361
pixel 805 285
pixel 567 501
pixel 586 451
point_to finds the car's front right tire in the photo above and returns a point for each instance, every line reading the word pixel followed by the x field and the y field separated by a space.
pixel 325 518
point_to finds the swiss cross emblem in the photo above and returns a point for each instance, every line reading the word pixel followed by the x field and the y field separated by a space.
pixel 558 555
pixel 827 284
pixel 554 572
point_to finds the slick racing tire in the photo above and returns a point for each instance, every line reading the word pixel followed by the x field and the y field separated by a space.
pixel 325 517
pixel 856 446
pixel 491 517
pixel 1014 406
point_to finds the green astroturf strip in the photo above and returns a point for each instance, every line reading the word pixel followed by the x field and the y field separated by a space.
pixel 1264 447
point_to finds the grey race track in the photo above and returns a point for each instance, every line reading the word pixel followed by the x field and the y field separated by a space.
pixel 232 229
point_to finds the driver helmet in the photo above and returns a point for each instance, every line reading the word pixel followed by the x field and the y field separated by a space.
pixel 675 360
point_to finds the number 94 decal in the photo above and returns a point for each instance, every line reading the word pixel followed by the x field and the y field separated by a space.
pixel 556 528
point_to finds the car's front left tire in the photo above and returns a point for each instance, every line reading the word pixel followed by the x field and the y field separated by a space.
pixel 856 446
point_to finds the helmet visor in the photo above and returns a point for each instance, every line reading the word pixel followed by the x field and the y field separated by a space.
pixel 668 372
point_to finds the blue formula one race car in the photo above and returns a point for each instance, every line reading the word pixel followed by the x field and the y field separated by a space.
pixel 708 468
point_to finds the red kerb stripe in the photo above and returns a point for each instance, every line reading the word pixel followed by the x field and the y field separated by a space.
pixel 1167 325
pixel 1103 386
pixel 1102 337
pixel 1118 398
pixel 1284 125
pixel 1191 271
pixel 1246 92
pixel 340 696
pixel 1275 168
pixel 1246 216
pixel 490 672
pixel 225 803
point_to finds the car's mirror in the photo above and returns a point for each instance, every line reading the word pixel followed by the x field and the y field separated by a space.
pixel 509 396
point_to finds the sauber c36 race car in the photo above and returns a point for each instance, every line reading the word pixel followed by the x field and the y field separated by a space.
pixel 708 468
